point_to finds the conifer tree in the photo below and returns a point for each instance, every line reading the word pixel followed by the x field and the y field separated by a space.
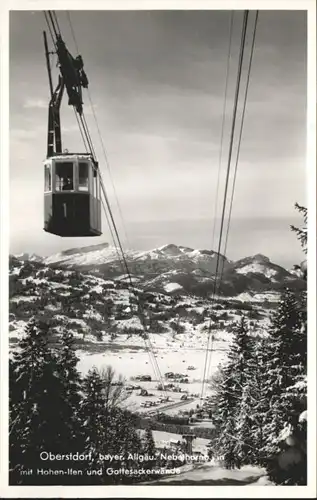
pixel 127 440
pixel 240 356
pixel 235 375
pixel 37 423
pixel 258 402
pixel 109 430
pixel 71 387
pixel 149 443
pixel 72 435
pixel 15 396
pixel 92 416
pixel 301 232
pixel 224 399
pixel 287 364
pixel 228 444
pixel 149 449
pixel 244 450
pixel 286 434
pixel 285 373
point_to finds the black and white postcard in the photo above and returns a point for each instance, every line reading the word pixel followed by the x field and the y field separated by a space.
pixel 158 231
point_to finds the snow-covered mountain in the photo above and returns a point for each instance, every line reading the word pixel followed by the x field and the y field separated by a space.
pixel 84 257
pixel 174 269
pixel 99 309
pixel 33 257
pixel 98 305
pixel 260 265
pixel 167 256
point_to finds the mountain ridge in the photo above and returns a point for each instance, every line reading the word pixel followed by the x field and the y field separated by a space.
pixel 173 268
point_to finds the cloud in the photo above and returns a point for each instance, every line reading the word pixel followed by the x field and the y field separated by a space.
pixel 22 133
pixel 35 104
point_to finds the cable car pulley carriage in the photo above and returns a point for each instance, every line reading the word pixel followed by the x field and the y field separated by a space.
pixel 72 204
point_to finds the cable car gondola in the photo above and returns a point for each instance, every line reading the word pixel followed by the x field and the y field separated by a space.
pixel 72 198
pixel 72 195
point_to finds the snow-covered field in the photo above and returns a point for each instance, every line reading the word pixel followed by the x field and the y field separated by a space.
pixel 133 360
pixel 131 363
pixel 171 355
pixel 257 297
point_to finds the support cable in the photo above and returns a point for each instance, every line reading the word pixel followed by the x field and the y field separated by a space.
pixel 53 23
pixel 49 28
pixel 236 163
pixel 100 137
pixel 157 375
pixel 244 29
pixel 108 166
pixel 81 131
pixel 220 159
pixel 56 22
pixel 222 128
pixel 72 30
pixel 147 340
pixel 88 137
pixel 240 136
pixel 112 235
pixel 236 98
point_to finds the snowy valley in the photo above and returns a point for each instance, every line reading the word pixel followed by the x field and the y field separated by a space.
pixel 84 289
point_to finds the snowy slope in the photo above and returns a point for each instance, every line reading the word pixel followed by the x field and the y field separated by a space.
pixel 174 269
pixel 172 287
pixel 106 308
pixel 87 256
pixel 193 270
pixel 255 267
pixel 33 257
pixel 260 264
pixel 97 255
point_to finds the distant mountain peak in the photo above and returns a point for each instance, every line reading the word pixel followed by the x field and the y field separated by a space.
pixel 172 249
pixel 90 248
pixel 259 257
pixel 28 256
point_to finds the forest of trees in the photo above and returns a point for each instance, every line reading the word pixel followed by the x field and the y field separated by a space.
pixel 260 401
pixel 54 409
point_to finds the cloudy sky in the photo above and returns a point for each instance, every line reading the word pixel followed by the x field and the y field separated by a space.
pixel 157 82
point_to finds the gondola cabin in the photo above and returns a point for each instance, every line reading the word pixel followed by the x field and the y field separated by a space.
pixel 72 204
